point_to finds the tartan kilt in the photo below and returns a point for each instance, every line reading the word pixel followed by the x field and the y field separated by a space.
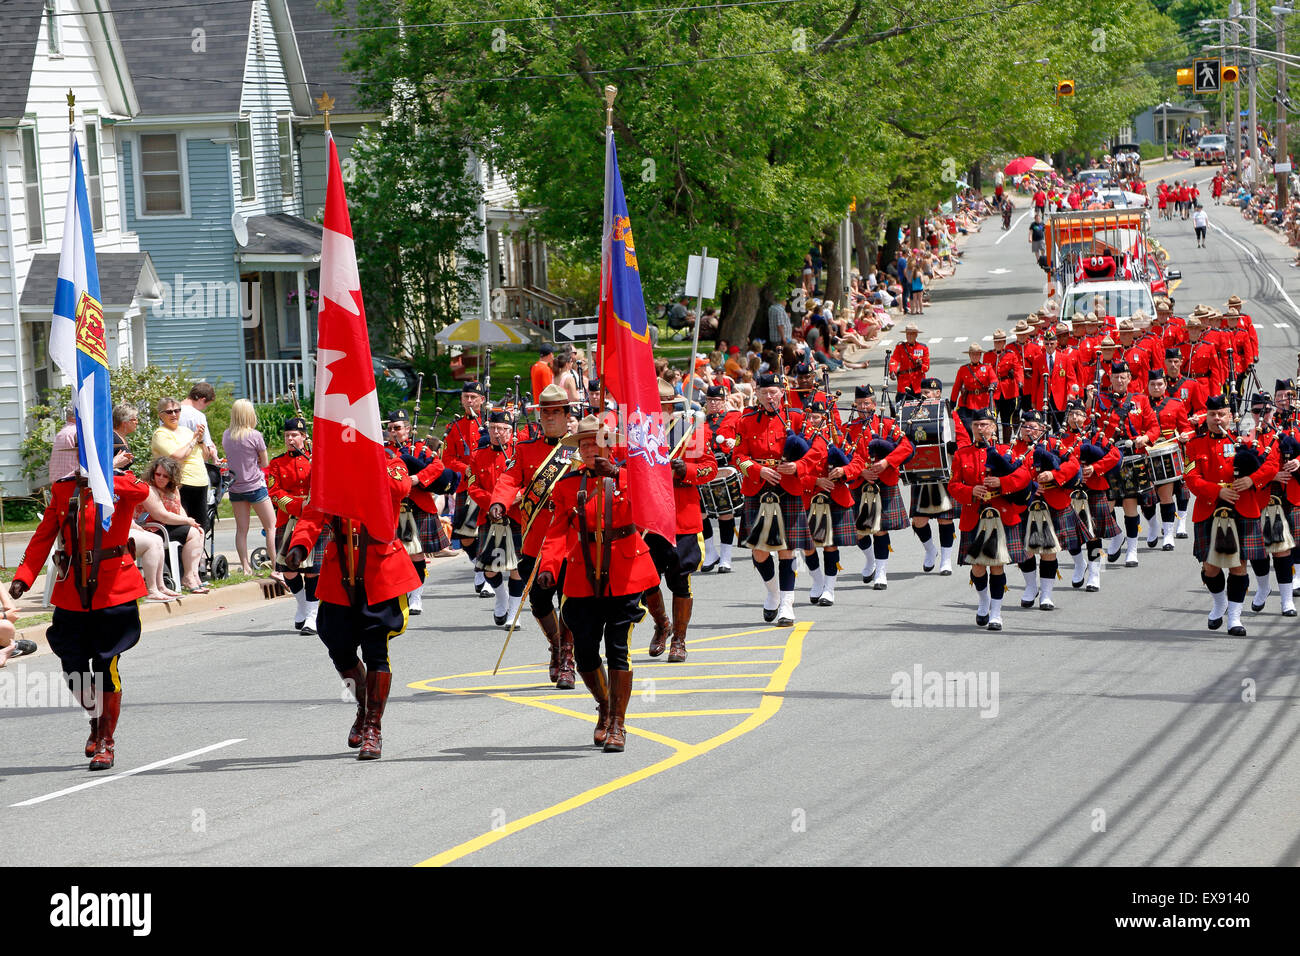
pixel 1248 533
pixel 432 536
pixel 1015 543
pixel 1181 497
pixel 1103 514
pixel 843 532
pixel 317 551
pixel 1293 515
pixel 792 513
pixel 1067 528
pixel 952 514
pixel 893 516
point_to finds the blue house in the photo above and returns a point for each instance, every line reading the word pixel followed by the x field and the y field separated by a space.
pixel 213 187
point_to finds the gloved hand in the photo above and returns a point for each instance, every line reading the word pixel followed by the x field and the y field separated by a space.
pixel 295 557
pixel 17 589
pixel 679 468
pixel 545 580
pixel 604 468
pixel 497 512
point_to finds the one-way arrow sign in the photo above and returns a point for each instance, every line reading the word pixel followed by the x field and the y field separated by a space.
pixel 582 328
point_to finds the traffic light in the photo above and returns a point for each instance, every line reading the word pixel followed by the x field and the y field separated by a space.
pixel 1185 77
pixel 1065 88
pixel 1230 74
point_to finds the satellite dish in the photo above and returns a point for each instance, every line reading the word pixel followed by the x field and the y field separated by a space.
pixel 240 228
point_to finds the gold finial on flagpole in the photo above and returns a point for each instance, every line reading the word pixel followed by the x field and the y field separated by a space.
pixel 325 103
pixel 72 108
pixel 610 92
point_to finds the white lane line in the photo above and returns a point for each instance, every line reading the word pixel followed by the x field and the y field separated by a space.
pixel 887 344
pixel 1014 226
pixel 1226 235
pixel 127 773
pixel 960 338
pixel 1280 325
pixel 1278 282
pixel 935 341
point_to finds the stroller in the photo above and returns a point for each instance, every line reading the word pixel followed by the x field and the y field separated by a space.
pixel 215 566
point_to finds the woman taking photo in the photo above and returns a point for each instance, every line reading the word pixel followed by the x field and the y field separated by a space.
pixel 246 456
pixel 174 440
pixel 163 507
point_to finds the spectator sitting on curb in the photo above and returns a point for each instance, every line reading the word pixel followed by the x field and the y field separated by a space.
pixel 11 646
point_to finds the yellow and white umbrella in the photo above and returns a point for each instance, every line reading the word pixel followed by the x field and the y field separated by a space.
pixel 476 333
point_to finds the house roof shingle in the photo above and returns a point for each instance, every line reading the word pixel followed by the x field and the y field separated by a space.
pixel 322 52
pixel 121 275
pixel 170 77
pixel 20 25
pixel 281 234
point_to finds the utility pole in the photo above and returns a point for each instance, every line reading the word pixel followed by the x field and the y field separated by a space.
pixel 1253 119
pixel 1223 94
pixel 1280 154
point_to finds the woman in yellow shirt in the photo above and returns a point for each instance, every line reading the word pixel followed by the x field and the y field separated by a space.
pixel 174 440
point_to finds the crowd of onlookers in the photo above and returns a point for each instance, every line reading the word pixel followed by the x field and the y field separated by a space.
pixel 187 477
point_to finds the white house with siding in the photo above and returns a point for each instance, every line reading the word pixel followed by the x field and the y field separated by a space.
pixel 52 46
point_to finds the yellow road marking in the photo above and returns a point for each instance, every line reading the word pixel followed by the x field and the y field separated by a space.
pixel 657 693
pixel 697 713
pixel 1175 284
pixel 767 708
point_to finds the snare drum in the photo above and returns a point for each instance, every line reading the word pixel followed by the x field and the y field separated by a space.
pixel 1134 477
pixel 1166 460
pixel 722 496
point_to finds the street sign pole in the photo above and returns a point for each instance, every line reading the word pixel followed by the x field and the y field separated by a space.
pixel 695 336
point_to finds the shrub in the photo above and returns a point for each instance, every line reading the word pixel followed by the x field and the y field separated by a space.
pixel 1149 150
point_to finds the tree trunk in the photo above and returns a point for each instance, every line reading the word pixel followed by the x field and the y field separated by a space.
pixel 975 179
pixel 890 252
pixel 741 314
pixel 866 248
pixel 831 257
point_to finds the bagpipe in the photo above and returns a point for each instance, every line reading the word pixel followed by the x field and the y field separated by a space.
pixel 1001 466
pixel 870 506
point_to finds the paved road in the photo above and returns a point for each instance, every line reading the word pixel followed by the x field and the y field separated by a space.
pixel 1116 732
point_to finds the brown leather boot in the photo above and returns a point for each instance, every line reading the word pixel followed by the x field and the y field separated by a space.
pixel 565 681
pixel 620 692
pixel 599 687
pixel 681 619
pixel 377 686
pixel 550 626
pixel 93 740
pixel 111 702
pixel 86 697
pixel 356 675
pixel 654 603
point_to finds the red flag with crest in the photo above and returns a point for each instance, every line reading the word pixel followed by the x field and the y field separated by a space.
pixel 349 474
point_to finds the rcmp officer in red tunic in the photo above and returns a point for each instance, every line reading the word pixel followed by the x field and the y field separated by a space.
pixel 525 486
pixel 609 571
pixel 95 619
pixel 976 487
pixel 693 465
pixel 909 362
pixel 419 524
pixel 1008 363
pixel 288 482
pixel 771 480
pixel 973 387
pixel 464 435
pixel 363 587
pixel 1226 477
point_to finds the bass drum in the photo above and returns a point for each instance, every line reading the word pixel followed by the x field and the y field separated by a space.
pixel 928 427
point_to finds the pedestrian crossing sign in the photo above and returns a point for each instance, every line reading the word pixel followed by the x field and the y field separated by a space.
pixel 1207 75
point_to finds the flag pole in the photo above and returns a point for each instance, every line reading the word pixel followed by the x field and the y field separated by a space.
pixel 606 280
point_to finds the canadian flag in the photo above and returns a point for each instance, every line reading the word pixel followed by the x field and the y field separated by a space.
pixel 349 466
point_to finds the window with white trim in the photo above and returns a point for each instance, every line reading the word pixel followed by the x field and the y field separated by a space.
pixel 94 188
pixel 32 187
pixel 247 186
pixel 284 130
pixel 160 174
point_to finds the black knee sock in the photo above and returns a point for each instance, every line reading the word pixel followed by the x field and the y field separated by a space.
pixel 708 529
pixel 1047 568
pixel 1285 571
pixel 422 569
pixel 785 574
pixel 516 586
pixel 881 545
pixel 727 530
pixel 923 532
pixel 1168 512
pixel 1131 524
pixel 832 558
pixel 1029 565
pixel 309 585
pixel 947 534
pixel 1212 584
pixel 1075 552
pixel 866 546
pixel 812 561
pixel 471 549
pixel 294 584
pixel 493 579
pixel 766 568
pixel 1260 566
pixel 1148 511
pixel 980 582
pixel 1238 584
pixel 997 586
